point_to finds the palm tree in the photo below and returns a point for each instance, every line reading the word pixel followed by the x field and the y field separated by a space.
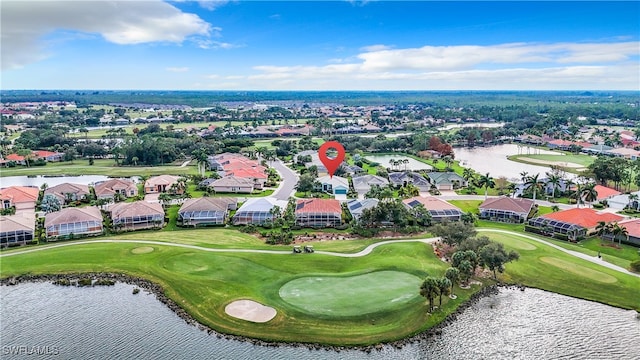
pixel 405 162
pixel 554 180
pixel 486 181
pixel 633 197
pixel 524 176
pixel 589 193
pixel 467 174
pixel 555 208
pixel 453 275
pixel 429 290
pixel 444 285
pixel 602 229
pixel 619 232
pixel 534 184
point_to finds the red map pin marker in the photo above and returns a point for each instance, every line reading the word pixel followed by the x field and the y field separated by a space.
pixel 331 164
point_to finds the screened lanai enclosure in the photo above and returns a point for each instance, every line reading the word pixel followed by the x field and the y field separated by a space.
pixel 551 227
pixel 259 211
pixel 318 213
pixel 205 211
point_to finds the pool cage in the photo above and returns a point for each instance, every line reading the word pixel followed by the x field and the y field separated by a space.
pixel 255 217
pixel 75 228
pixel 138 222
pixel 447 214
pixel 502 215
pixel 318 219
pixel 15 237
pixel 551 227
pixel 202 217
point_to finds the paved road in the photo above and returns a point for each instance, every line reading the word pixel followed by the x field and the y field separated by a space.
pixel 287 187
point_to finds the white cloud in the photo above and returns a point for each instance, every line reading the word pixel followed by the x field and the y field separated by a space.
pixel 378 47
pixel 177 69
pixel 212 4
pixel 503 66
pixel 25 23
pixel 211 44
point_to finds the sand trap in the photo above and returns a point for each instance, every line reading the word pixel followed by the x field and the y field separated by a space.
pixel 250 310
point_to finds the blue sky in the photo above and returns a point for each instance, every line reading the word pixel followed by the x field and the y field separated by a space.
pixel 324 45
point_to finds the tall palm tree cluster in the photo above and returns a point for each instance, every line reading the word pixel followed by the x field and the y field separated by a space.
pixel 612 230
pixel 395 164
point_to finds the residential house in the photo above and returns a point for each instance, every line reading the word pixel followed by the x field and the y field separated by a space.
pixel 353 170
pixel 232 184
pixel 23 198
pixel 621 201
pixel 335 185
pixel 318 213
pixel 258 211
pixel 160 183
pixel 439 209
pixel 49 156
pixel 362 184
pixel 71 222
pixel 17 229
pixel 108 189
pixel 506 209
pixel 626 153
pixel 446 180
pixel 137 215
pixel 407 177
pixel 571 224
pixel 259 178
pixel 205 211
pixel 605 192
pixel 356 207
pixel 68 192
pixel 633 231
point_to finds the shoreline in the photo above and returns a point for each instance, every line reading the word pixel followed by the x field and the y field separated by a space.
pixel 158 291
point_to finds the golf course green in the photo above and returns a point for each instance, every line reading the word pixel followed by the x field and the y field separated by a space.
pixel 319 298
pixel 372 292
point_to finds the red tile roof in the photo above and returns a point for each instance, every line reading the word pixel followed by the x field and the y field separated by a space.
pixel 632 226
pixel 247 173
pixel 20 194
pixel 318 206
pixel 605 192
pixel 585 217
pixel 14 157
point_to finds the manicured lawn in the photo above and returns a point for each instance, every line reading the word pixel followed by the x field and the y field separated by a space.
pixel 334 296
pixel 204 283
pixel 467 205
pixel 550 269
pixel 100 167
pixel 580 159
pixel 357 289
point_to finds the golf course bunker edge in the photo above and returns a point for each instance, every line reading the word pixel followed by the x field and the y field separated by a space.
pixel 250 310
pixel 343 296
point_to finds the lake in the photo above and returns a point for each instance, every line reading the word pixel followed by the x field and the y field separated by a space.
pixel 412 165
pixel 111 322
pixel 493 160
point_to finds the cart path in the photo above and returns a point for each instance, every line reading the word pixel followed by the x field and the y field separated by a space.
pixel 363 252
pixel 360 253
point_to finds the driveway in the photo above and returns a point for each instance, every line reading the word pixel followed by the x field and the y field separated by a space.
pixel 287 187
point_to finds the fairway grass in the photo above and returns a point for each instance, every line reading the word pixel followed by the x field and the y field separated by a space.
pixel 356 295
pixel 578 269
pixel 376 297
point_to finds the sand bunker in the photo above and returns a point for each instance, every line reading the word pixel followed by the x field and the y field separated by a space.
pixel 142 250
pixel 250 310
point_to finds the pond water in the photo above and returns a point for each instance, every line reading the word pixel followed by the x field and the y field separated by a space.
pixel 412 165
pixel 493 160
pixel 50 180
pixel 111 322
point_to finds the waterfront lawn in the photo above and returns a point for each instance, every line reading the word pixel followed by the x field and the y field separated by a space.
pixel 550 269
pixel 580 159
pixel 100 167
